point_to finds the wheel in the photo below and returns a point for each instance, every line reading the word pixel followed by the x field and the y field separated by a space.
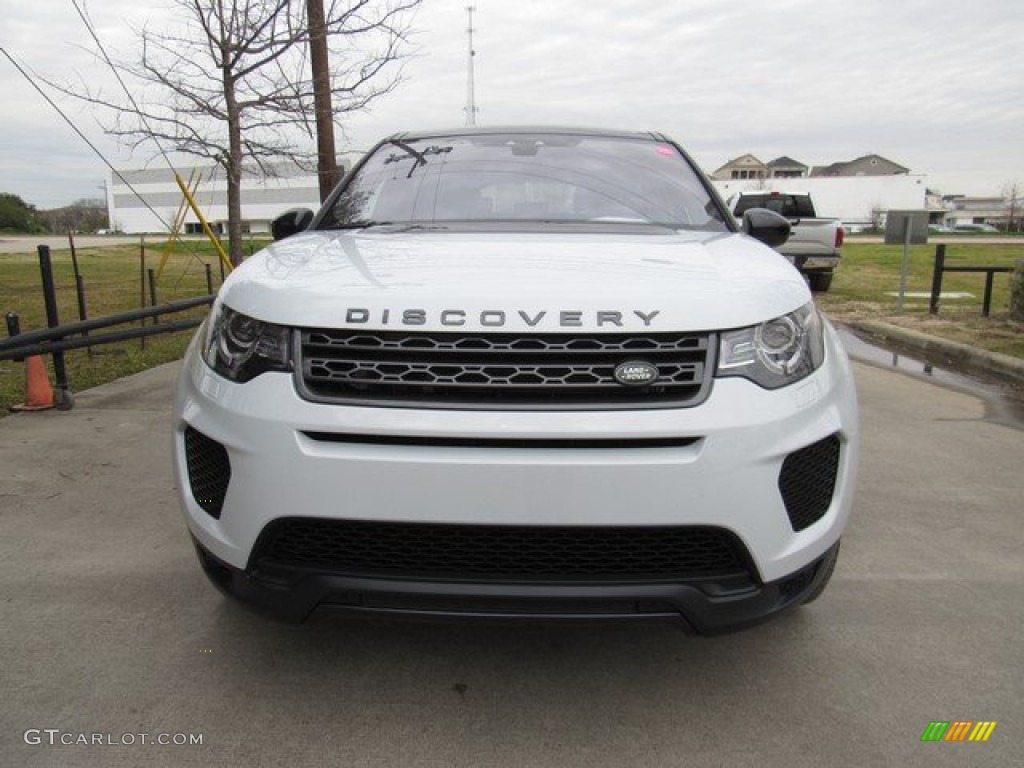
pixel 827 568
pixel 820 281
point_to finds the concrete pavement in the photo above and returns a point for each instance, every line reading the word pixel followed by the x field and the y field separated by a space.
pixel 108 627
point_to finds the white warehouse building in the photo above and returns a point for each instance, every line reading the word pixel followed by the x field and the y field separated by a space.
pixel 264 197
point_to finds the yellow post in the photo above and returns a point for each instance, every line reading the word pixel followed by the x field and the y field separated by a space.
pixel 179 221
pixel 203 222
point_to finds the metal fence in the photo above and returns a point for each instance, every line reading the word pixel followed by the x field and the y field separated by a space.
pixel 57 338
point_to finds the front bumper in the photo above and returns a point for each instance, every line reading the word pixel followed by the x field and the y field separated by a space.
pixel 716 465
pixel 704 607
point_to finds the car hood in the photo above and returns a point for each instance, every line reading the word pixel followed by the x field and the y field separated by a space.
pixel 516 282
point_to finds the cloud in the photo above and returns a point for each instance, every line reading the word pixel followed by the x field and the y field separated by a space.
pixel 931 84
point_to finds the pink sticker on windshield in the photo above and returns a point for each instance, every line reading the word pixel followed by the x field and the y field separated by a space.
pixel 663 150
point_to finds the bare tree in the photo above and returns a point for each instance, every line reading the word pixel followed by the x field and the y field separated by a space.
pixel 1013 198
pixel 230 81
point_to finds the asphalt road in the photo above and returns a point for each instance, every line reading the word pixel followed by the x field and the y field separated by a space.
pixel 948 238
pixel 109 628
pixel 28 243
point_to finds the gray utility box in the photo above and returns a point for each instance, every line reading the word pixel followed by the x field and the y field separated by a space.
pixel 896 223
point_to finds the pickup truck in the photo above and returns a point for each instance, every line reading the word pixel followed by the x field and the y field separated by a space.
pixel 814 245
pixel 519 373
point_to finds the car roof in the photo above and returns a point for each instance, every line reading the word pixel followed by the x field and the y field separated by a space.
pixel 531 130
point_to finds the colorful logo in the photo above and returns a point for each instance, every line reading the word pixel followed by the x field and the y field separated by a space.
pixel 958 730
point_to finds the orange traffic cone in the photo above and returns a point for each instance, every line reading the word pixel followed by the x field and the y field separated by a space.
pixel 38 392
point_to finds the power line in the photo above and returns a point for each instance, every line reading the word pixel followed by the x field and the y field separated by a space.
pixel 152 135
pixel 117 74
pixel 82 136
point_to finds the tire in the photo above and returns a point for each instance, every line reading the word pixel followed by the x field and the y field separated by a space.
pixel 820 281
pixel 828 567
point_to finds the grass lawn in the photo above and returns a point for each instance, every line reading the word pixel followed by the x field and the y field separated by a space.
pixel 870 273
pixel 861 289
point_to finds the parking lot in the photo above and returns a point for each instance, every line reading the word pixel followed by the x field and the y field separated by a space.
pixel 109 628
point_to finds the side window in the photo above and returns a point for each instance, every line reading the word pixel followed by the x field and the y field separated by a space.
pixel 746 202
pixel 803 207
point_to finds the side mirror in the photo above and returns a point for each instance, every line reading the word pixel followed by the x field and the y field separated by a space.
pixel 767 226
pixel 291 222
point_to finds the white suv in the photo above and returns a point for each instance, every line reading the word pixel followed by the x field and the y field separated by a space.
pixel 527 373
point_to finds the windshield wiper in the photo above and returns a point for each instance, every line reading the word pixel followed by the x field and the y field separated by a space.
pixel 397 226
pixel 419 157
pixel 360 224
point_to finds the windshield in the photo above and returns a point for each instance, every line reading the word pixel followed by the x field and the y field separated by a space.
pixel 542 178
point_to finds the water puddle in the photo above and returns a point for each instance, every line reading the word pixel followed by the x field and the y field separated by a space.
pixel 1004 398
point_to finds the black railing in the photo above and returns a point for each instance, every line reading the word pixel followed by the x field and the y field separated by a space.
pixel 53 340
pixel 56 338
pixel 941 268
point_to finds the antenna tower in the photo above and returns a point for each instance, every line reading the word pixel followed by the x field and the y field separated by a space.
pixel 471 109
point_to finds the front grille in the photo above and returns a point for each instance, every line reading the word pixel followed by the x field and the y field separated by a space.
pixel 808 480
pixel 209 470
pixel 500 370
pixel 484 552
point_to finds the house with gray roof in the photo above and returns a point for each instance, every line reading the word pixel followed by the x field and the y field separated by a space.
pixel 868 165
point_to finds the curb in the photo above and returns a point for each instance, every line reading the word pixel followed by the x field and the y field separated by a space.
pixel 968 356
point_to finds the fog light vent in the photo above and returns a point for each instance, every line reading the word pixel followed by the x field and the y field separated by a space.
pixel 808 480
pixel 208 471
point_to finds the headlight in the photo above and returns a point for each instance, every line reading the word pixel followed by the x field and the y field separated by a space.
pixel 240 348
pixel 777 352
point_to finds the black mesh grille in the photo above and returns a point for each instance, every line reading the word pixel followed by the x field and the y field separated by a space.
pixel 501 370
pixel 808 480
pixel 408 550
pixel 208 470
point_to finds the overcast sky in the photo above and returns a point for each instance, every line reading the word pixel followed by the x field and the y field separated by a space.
pixel 935 85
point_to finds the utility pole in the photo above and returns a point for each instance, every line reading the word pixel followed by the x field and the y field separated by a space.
pixel 471 109
pixel 327 162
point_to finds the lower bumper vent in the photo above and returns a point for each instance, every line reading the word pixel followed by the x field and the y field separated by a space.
pixel 808 481
pixel 209 470
pixel 494 552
